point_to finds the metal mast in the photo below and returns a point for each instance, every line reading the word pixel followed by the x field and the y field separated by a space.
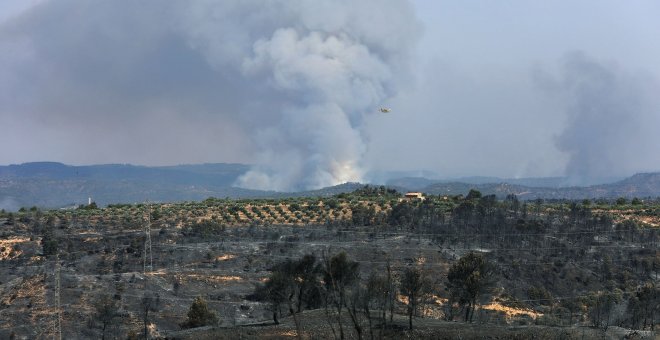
pixel 147 242
pixel 58 314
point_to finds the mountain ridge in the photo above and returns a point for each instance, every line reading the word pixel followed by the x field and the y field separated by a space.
pixel 53 185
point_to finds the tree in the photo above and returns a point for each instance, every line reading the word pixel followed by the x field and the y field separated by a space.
pixel 601 305
pixel 338 274
pixel 294 284
pixel 473 194
pixel 199 315
pixel 402 214
pixel 49 243
pixel 468 279
pixel 362 215
pixel 306 272
pixel 150 303
pixel 414 286
pixel 106 312
pixel 643 306
pixel 279 289
pixel 10 219
pixel 376 292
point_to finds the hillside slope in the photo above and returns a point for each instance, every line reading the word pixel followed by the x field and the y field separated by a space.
pixel 639 185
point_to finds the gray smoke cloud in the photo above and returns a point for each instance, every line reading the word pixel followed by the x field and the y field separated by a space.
pixel 284 84
pixel 612 119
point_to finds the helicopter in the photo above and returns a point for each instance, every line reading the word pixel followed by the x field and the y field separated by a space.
pixel 385 110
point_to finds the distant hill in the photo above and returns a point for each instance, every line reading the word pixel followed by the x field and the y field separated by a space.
pixel 639 185
pixel 207 174
pixel 49 184
pixel 54 185
pixel 411 183
pixel 536 182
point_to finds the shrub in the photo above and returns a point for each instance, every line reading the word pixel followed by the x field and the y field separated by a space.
pixel 199 315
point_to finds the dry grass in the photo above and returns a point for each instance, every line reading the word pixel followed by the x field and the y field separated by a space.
pixel 7 248
pixel 225 257
pixel 511 312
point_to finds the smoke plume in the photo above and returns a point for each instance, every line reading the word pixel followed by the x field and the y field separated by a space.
pixel 611 115
pixel 284 84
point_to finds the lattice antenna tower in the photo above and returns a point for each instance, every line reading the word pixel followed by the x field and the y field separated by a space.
pixel 58 314
pixel 147 241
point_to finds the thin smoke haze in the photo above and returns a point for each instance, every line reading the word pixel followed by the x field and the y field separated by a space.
pixel 611 115
pixel 294 88
pixel 286 82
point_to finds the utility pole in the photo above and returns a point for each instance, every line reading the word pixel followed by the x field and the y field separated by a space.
pixel 147 242
pixel 58 314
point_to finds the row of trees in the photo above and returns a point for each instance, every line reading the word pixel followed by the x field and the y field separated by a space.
pixel 336 285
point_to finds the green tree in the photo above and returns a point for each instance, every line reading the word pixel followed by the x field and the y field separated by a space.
pixel 468 279
pixel 362 215
pixel 199 315
pixel 473 194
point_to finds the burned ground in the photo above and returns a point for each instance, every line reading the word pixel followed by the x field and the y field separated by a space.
pixel 563 269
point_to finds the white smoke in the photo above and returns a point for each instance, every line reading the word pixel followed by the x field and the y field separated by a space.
pixel 330 62
pixel 286 84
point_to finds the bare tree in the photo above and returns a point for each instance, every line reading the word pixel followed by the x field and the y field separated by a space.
pixel 150 303
pixel 294 284
pixel 106 312
pixel 415 287
pixel 643 306
pixel 376 294
pixel 338 274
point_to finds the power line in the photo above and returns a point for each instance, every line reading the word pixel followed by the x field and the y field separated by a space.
pixel 356 245
pixel 384 232
pixel 362 244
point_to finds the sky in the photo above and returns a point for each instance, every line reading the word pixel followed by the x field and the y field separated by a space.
pixel 508 89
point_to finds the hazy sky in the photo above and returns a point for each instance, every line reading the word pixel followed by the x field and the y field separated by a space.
pixel 511 89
